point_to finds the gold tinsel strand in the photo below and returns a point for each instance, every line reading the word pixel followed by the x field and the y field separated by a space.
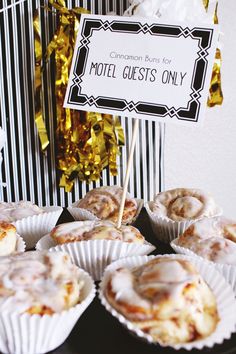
pixel 86 142
pixel 215 92
pixel 39 121
pixel 205 3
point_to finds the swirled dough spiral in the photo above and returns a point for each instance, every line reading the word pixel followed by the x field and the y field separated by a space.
pixel 104 202
pixel 213 239
pixel 166 298
pixel 8 238
pixel 38 282
pixel 95 230
pixel 184 204
pixel 14 211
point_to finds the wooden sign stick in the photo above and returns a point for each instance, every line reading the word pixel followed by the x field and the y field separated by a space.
pixel 127 174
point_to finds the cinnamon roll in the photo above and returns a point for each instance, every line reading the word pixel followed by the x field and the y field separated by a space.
pixel 213 239
pixel 184 204
pixel 94 230
pixel 166 298
pixel 8 238
pixel 11 212
pixel 104 202
pixel 38 283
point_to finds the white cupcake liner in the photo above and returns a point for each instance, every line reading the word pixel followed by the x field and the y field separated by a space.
pixel 165 229
pixel 34 227
pixel 95 255
pixel 226 303
pixel 227 270
pixel 33 334
pixel 80 214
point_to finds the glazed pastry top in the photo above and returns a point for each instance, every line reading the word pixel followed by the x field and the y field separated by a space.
pixel 38 279
pixel 170 10
pixel 166 297
pixel 11 212
pixel 104 202
pixel 6 229
pixel 150 284
pixel 95 230
pixel 213 239
pixel 8 239
pixel 184 204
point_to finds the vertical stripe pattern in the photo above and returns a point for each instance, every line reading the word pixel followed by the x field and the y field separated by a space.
pixel 29 174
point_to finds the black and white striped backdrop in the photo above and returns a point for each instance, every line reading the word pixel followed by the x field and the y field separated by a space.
pixel 28 174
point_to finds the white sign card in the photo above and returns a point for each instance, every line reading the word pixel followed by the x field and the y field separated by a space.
pixel 142 69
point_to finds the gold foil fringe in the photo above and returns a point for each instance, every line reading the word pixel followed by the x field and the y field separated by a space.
pixel 215 92
pixel 86 142
pixel 39 120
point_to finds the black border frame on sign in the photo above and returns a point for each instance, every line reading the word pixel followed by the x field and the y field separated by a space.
pixel 188 113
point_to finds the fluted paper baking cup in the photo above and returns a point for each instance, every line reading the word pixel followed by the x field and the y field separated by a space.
pixel 80 214
pixel 95 255
pixel 165 229
pixel 34 227
pixel 227 270
pixel 225 299
pixel 33 334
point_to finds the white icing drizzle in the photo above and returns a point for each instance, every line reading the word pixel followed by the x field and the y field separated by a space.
pixel 147 285
pixel 104 202
pixel 94 230
pixel 122 285
pixel 168 278
pixel 170 10
pixel 11 212
pixel 184 204
pixel 206 228
pixel 216 249
pixel 211 239
pixel 73 229
pixel 36 278
pixel 115 191
pixel 166 297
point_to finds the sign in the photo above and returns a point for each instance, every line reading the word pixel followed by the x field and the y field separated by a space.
pixel 142 69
